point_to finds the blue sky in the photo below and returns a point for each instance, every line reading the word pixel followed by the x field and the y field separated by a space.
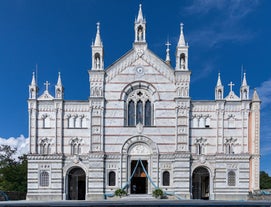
pixel 223 35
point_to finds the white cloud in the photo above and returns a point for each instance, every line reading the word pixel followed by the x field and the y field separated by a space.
pixel 20 143
pixel 226 22
pixel 265 93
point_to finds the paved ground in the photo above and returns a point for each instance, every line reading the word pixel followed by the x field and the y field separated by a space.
pixel 136 203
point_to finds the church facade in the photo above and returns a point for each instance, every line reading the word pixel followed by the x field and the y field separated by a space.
pixel 140 130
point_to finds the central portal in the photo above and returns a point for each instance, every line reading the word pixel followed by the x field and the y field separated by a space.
pixel 139 182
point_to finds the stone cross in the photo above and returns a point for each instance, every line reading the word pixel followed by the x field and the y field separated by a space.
pixel 231 85
pixel 46 85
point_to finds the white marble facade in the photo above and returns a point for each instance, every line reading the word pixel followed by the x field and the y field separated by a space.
pixel 140 108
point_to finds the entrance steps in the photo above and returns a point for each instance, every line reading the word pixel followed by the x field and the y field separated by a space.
pixel 138 197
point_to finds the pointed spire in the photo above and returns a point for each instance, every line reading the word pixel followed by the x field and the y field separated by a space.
pixel 181 39
pixel 244 83
pixel 59 82
pixel 33 82
pixel 255 96
pixel 98 41
pixel 218 80
pixel 140 14
pixel 167 53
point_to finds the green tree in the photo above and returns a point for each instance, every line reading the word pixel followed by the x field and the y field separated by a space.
pixel 265 180
pixel 13 173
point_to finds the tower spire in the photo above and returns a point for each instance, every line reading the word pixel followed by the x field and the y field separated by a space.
pixel 59 89
pixel 181 52
pixel 98 41
pixel 33 88
pixel 244 89
pixel 140 27
pixel 97 51
pixel 140 14
pixel 181 39
pixel 218 80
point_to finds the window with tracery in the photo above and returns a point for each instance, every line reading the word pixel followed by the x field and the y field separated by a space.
pixel 112 178
pixel 76 146
pixel 139 107
pixel 44 179
pixel 45 146
pixel 231 178
pixel 166 178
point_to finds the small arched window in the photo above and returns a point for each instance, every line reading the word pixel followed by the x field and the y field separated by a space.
pixel 44 178
pixel 166 178
pixel 182 61
pixel 231 178
pixel 46 122
pixel 112 178
pixel 207 122
pixel 202 122
pixel 195 122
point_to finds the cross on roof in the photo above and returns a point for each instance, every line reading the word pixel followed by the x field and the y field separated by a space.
pixel 168 44
pixel 231 85
pixel 46 85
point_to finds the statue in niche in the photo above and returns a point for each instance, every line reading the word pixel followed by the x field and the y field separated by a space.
pixel 97 62
pixel 140 34
pixel 182 63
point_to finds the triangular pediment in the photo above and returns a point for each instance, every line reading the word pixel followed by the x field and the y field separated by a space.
pixel 136 58
pixel 46 96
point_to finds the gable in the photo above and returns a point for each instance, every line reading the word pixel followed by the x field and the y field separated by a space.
pixel 135 60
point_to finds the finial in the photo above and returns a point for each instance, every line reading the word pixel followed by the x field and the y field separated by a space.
pixel 181 27
pixel 167 52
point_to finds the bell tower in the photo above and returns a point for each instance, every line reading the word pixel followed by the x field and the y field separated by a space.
pixel 140 27
pixel 97 51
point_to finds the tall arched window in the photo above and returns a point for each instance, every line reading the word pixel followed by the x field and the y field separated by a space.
pixel 131 113
pixel 44 178
pixel 231 178
pixel 139 112
pixel 166 178
pixel 148 113
pixel 112 178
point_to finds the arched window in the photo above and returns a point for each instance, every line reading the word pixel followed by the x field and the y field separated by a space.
pixel 231 178
pixel 207 122
pixel 131 113
pixel 71 122
pixel 78 122
pixel 139 112
pixel 46 122
pixel 97 61
pixel 84 122
pixel 166 178
pixel 112 178
pixel 182 61
pixel 202 122
pixel 148 113
pixel 195 122
pixel 44 178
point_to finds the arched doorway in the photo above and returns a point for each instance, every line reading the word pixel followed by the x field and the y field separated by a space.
pixel 77 184
pixel 139 181
pixel 201 183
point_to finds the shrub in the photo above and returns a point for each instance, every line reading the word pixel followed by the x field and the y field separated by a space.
pixel 157 193
pixel 120 192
